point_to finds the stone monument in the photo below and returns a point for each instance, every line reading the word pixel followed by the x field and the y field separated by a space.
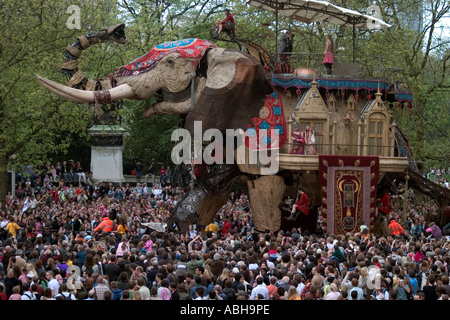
pixel 106 147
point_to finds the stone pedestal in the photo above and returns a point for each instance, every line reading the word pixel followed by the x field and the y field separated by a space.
pixel 106 153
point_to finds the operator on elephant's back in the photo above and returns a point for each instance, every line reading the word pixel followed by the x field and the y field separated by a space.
pixel 302 205
pixel 227 23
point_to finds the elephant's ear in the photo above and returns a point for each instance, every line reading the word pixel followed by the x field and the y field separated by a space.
pixel 228 67
pixel 235 89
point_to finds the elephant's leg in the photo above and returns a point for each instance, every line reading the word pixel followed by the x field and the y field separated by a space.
pixel 209 206
pixel 380 226
pixel 265 195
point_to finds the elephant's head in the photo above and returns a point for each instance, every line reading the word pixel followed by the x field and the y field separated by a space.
pixel 223 88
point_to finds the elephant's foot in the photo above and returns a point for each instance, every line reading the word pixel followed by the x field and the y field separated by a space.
pixel 209 206
pixel 266 194
pixel 149 112
pixel 292 217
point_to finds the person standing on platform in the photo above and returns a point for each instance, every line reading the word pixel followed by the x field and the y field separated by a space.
pixel 298 142
pixel 328 59
pixel 139 168
pixel 310 140
pixel 286 46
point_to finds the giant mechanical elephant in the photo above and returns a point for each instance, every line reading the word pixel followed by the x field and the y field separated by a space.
pixel 221 87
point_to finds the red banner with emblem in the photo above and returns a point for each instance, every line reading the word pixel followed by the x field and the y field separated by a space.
pixel 349 186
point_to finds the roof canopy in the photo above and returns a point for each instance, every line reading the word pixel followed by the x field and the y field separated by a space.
pixel 309 11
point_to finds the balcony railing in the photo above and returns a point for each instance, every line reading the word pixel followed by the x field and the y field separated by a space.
pixel 346 149
pixel 367 66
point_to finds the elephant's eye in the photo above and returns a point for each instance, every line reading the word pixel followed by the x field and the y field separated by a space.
pixel 171 62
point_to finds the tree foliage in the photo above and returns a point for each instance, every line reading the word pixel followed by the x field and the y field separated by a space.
pixel 36 126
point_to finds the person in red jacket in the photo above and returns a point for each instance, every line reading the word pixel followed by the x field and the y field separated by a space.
pixel 226 228
pixel 301 205
pixel 226 24
pixel 385 203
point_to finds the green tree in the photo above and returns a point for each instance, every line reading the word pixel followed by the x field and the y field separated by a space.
pixel 36 126
pixel 422 52
pixel 147 140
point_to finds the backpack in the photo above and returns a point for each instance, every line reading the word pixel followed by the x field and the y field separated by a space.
pixel 89 270
pixel 82 293
pixel 33 297
pixel 69 296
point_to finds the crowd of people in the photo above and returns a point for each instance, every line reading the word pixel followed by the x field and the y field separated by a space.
pixel 98 245
pixel 439 176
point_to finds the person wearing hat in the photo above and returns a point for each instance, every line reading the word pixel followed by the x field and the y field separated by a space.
pixel 435 231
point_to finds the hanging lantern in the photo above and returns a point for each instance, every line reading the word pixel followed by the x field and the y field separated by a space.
pixel 400 107
pixel 298 92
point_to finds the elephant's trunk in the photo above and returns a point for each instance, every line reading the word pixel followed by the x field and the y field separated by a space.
pixel 81 89
pixel 72 52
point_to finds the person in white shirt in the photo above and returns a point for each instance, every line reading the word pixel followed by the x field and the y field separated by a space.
pixel 53 284
pixel 157 190
pixel 259 289
pixel 380 294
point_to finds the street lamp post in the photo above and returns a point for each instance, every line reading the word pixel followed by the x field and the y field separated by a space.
pixel 405 199
pixel 13 173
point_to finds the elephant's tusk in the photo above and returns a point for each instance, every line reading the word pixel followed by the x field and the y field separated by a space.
pixel 123 91
pixel 67 92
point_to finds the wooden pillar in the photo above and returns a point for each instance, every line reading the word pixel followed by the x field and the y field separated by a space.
pixel 363 137
pixel 359 138
pixel 392 139
pixel 332 145
pixel 289 134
